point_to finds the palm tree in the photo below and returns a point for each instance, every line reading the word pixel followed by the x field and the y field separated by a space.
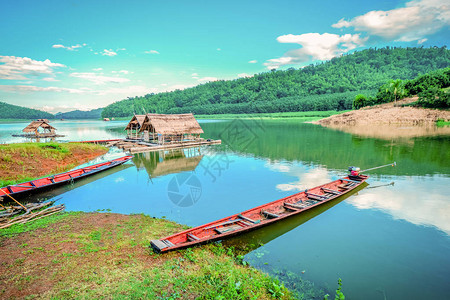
pixel 397 88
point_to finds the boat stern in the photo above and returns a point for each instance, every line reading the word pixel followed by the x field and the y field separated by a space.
pixel 160 245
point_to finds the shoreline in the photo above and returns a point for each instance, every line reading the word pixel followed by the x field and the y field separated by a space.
pixel 95 255
pixel 27 161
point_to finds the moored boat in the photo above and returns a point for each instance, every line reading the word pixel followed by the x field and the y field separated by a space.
pixel 259 216
pixel 66 177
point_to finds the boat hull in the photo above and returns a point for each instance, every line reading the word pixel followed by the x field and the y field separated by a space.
pixel 45 183
pixel 258 217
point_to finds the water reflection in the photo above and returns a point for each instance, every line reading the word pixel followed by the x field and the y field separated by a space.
pixel 252 240
pixel 388 132
pixel 54 192
pixel 162 163
pixel 426 203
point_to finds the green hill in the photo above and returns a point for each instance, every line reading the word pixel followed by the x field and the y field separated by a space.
pixel 331 85
pixel 80 114
pixel 9 111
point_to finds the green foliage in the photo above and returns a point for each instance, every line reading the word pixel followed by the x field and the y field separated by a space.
pixel 434 97
pixel 9 111
pixel 339 295
pixel 331 85
pixel 360 101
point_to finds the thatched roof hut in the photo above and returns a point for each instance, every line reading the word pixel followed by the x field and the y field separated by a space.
pixel 171 124
pixel 35 125
pixel 136 122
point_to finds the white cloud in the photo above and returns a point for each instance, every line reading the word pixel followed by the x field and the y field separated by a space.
pixel 99 79
pixel 421 41
pixel 97 69
pixel 253 61
pixel 49 79
pixel 30 89
pixel 109 52
pixel 315 46
pixel 15 68
pixel 151 52
pixel 133 90
pixel 413 22
pixel 207 79
pixel 70 48
pixel 218 49
pixel 194 74
pixel 244 75
pixel 422 205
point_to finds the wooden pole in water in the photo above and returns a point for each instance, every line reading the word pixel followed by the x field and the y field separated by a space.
pixel 388 165
pixel 14 199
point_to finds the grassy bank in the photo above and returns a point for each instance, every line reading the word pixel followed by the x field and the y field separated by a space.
pixel 93 255
pixel 24 161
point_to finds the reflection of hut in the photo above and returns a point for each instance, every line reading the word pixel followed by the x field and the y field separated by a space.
pixel 170 128
pixel 163 163
pixel 40 129
pixel 134 126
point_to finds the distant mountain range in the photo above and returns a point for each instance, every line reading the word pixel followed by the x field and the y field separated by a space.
pixel 331 85
pixel 10 111
pixel 80 114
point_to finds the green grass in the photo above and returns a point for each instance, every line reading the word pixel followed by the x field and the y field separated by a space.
pixel 97 255
pixel 442 123
pixel 13 155
pixel 40 223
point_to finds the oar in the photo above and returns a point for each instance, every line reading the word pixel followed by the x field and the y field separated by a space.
pixel 388 165
pixel 13 199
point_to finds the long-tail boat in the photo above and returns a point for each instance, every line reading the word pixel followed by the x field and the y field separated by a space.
pixel 259 216
pixel 66 177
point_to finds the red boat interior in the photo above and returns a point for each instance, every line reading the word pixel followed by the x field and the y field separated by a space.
pixel 71 175
pixel 257 216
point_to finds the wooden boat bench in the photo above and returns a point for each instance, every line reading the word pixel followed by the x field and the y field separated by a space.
pixel 330 191
pixel 268 215
pixel 192 237
pixel 294 206
pixel 316 197
pixel 228 228
pixel 347 185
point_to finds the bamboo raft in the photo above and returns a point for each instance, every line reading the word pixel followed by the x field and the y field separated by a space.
pixel 137 146
pixel 260 216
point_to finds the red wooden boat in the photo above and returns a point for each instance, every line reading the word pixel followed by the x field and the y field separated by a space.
pixel 66 177
pixel 259 216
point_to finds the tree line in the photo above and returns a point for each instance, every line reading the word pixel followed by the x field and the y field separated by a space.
pixel 321 86
pixel 432 89
pixel 9 111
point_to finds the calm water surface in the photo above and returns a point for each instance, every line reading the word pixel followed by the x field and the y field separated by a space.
pixel 389 240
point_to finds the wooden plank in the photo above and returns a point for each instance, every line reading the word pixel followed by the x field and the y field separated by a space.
pixel 331 191
pixel 227 229
pixel 269 215
pixel 248 219
pixel 192 237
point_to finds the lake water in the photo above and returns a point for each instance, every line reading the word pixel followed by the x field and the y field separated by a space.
pixel 389 240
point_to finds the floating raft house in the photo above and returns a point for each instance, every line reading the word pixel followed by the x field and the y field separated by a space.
pixel 39 129
pixel 153 132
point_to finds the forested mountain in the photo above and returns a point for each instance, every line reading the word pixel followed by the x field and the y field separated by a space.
pixel 79 114
pixel 9 111
pixel 325 86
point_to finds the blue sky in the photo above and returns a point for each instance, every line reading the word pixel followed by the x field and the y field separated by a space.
pixel 65 55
